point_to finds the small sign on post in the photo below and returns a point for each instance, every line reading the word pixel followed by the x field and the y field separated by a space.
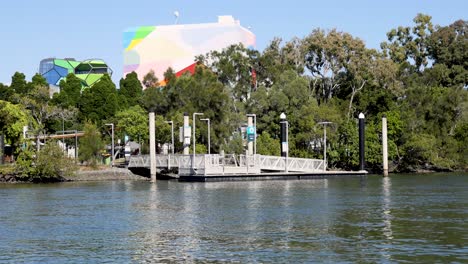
pixel 285 146
pixel 250 133
pixel 184 134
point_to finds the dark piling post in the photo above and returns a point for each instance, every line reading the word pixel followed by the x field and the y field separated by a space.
pixel 284 140
pixel 361 141
pixel 284 136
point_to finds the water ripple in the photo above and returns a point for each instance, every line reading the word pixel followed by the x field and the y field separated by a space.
pixel 403 219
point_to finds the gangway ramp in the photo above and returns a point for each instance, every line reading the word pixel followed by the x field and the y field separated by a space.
pixel 275 163
pixel 162 161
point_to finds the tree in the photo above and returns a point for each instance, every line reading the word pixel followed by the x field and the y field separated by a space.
pixel 70 92
pixel 150 80
pixel 266 145
pixel 447 47
pixel 271 63
pixel 154 99
pixel 65 118
pixel 435 113
pixel 408 46
pixel 37 102
pixel 209 96
pixel 100 101
pixel 6 93
pixel 37 80
pixel 234 145
pixel 461 135
pixel 293 55
pixel 290 95
pixel 233 66
pixel 91 144
pixel 277 58
pixel 134 122
pixel 200 92
pixel 24 165
pixel 329 57
pixel 46 165
pixel 158 99
pixel 19 84
pixel 12 119
pixel 419 81
pixel 51 165
pixel 382 87
pixel 130 89
pixel 418 151
pixel 345 153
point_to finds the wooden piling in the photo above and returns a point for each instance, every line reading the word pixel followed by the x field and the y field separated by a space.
pixel 152 132
pixel 384 146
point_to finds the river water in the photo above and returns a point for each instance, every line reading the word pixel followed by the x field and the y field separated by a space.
pixel 405 218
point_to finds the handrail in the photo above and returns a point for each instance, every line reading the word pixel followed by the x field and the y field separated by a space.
pixel 206 164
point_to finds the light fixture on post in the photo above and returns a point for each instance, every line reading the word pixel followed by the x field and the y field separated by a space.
pixel 209 135
pixel 361 141
pixel 172 135
pixel 194 140
pixel 325 123
pixel 112 147
pixel 176 15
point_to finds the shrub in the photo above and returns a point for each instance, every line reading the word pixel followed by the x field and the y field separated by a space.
pixel 24 166
pixel 91 144
pixel 47 165
pixel 51 164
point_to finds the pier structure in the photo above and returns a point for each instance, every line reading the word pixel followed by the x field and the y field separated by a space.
pixel 216 164
pixel 215 167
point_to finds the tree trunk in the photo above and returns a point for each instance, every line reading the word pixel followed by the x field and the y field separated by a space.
pixel 38 141
pixel 353 93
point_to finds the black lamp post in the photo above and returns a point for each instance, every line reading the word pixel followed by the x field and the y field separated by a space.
pixel 361 141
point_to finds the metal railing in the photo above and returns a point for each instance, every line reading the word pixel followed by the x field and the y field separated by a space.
pixel 276 163
pixel 205 164
pixel 162 161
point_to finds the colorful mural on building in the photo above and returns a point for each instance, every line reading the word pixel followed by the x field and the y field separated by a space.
pixel 160 47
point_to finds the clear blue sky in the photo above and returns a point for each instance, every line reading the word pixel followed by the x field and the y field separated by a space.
pixel 33 30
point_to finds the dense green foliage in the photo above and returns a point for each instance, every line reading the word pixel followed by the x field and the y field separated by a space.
pixel 99 102
pixel 46 165
pixel 12 119
pixel 91 144
pixel 51 164
pixel 418 80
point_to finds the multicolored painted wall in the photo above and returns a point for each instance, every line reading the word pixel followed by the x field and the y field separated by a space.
pixel 89 71
pixel 159 47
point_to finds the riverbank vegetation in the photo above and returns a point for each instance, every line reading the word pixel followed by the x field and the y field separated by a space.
pixel 45 165
pixel 418 80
